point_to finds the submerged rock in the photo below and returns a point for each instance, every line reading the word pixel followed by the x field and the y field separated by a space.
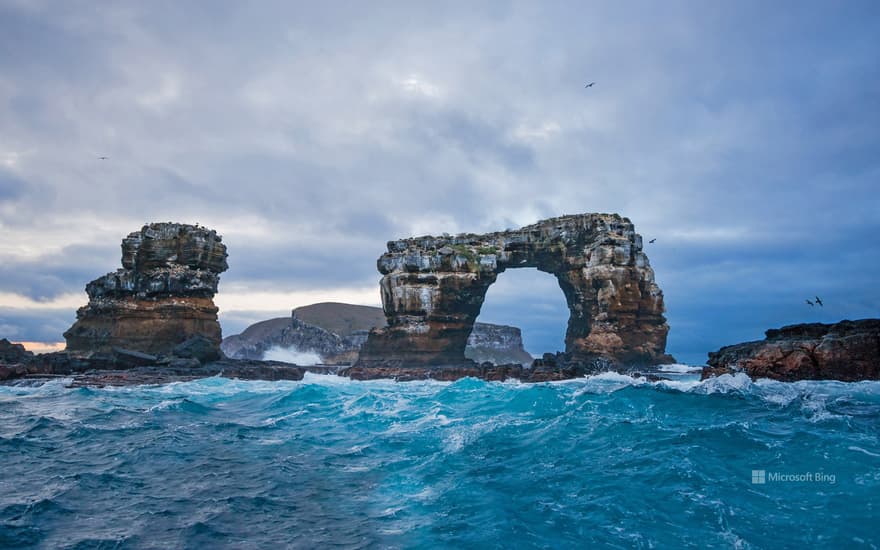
pixel 162 296
pixel 433 288
pixel 847 351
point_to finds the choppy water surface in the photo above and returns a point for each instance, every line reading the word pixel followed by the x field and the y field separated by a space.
pixel 606 461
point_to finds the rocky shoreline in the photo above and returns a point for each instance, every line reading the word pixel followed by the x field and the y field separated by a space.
pixel 125 367
pixel 848 351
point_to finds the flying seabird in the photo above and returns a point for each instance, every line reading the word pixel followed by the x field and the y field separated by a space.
pixel 590 85
pixel 818 301
pixel 811 303
pixel 652 240
pixel 102 158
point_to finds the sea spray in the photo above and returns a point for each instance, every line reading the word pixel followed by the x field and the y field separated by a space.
pixel 292 355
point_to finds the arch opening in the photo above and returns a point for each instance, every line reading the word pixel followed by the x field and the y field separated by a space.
pixel 526 299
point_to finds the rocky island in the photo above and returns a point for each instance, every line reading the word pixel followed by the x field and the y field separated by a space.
pixel 153 320
pixel 847 351
pixel 433 288
pixel 160 298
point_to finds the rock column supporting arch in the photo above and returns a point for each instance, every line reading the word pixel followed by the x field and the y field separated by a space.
pixel 433 288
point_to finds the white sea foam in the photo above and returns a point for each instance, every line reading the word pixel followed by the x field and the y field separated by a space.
pixel 291 355
pixel 859 449
pixel 726 383
pixel 679 368
pixel 164 405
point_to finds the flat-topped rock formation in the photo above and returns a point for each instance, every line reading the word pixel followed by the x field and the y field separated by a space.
pixel 433 288
pixel 847 351
pixel 496 344
pixel 161 297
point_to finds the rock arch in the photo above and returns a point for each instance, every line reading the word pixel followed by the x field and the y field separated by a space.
pixel 433 288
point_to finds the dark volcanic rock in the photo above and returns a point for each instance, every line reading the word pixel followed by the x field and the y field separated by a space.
pixel 126 358
pixel 485 371
pixel 243 370
pixel 433 288
pixel 162 296
pixel 199 348
pixel 552 367
pixel 11 354
pixel 125 367
pixel 847 351
pixel 13 360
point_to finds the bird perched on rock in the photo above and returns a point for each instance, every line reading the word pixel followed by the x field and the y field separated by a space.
pixel 818 301
pixel 811 303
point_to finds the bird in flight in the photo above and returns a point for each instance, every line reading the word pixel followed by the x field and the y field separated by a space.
pixel 811 303
pixel 652 240
pixel 818 301
pixel 102 158
pixel 590 85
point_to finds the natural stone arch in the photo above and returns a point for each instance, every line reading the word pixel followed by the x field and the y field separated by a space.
pixel 433 288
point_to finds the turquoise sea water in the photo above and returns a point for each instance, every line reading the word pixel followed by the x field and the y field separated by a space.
pixel 607 461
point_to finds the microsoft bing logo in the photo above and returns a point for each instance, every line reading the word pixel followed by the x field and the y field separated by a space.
pixel 759 477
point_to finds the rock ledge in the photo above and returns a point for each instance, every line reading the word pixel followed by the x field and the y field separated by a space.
pixel 847 351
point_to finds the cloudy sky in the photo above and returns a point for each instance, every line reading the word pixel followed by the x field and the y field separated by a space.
pixel 743 136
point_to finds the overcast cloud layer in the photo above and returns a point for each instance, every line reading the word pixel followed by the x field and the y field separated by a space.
pixel 744 138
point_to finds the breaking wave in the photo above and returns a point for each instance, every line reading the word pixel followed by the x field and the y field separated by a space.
pixel 292 355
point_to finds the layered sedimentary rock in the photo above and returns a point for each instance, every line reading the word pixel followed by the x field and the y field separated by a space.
pixel 162 296
pixel 433 288
pixel 848 351
pixel 336 332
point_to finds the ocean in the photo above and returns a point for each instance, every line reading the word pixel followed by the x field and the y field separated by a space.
pixel 607 461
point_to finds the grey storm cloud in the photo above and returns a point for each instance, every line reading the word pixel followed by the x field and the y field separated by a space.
pixel 744 136
pixel 35 326
pixel 47 277
pixel 11 187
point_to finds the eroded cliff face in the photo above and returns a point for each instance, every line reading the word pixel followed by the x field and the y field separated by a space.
pixel 161 297
pixel 848 351
pixel 433 288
